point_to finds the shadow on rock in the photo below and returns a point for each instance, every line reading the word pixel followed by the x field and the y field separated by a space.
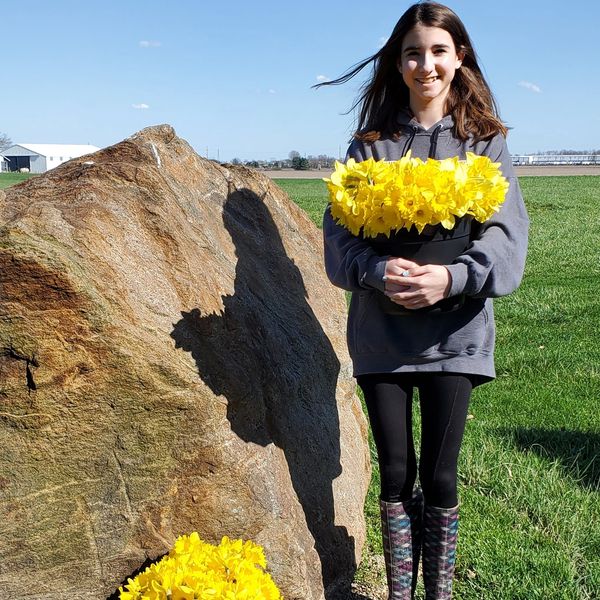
pixel 268 356
pixel 576 451
pixel 149 561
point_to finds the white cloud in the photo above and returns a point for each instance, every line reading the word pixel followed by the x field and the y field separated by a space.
pixel 322 78
pixel 272 91
pixel 531 86
pixel 140 106
pixel 150 44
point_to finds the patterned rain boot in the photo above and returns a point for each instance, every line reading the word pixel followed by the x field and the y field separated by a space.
pixel 440 529
pixel 401 529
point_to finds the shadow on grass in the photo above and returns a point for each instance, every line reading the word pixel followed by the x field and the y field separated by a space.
pixel 360 596
pixel 577 452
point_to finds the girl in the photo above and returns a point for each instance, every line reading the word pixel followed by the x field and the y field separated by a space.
pixel 427 95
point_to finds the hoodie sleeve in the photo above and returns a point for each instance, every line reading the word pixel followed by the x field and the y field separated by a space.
pixel 493 264
pixel 350 262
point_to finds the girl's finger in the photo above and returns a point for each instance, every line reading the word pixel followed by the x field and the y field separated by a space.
pixel 405 296
pixel 418 271
pixel 407 280
pixel 403 261
pixel 398 280
pixel 394 288
pixel 397 264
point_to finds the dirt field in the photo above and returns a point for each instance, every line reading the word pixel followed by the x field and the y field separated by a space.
pixel 560 170
pixel 521 171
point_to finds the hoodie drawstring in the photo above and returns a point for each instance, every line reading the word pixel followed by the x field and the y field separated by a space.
pixel 433 140
pixel 409 141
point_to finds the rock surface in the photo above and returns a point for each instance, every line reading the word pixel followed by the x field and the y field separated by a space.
pixel 172 358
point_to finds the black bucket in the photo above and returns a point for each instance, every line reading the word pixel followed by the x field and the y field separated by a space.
pixel 434 245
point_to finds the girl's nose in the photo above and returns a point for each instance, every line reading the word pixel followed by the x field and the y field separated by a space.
pixel 427 62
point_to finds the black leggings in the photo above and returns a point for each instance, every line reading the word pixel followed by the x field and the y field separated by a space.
pixel 444 400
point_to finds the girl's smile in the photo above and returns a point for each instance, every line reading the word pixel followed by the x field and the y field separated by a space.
pixel 428 80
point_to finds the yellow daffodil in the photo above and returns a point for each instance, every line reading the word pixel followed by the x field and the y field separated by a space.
pixel 196 570
pixel 379 197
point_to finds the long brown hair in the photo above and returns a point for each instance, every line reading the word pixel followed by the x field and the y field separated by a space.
pixel 470 100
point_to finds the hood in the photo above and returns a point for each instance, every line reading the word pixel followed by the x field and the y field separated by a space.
pixel 409 125
pixel 406 119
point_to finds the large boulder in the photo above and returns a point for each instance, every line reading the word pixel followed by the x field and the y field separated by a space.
pixel 172 359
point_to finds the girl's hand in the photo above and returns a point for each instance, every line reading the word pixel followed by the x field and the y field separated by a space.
pixel 394 267
pixel 419 287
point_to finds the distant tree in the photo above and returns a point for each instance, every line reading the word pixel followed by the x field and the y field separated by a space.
pixel 236 161
pixel 299 163
pixel 294 154
pixel 5 141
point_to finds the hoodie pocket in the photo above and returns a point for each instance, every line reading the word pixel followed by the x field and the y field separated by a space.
pixel 418 338
pixel 470 333
pixel 358 311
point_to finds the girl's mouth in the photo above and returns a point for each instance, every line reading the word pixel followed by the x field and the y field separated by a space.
pixel 428 79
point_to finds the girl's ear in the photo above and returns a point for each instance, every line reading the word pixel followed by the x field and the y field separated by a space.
pixel 460 55
pixel 399 65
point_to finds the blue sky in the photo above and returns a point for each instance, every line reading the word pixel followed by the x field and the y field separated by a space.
pixel 234 78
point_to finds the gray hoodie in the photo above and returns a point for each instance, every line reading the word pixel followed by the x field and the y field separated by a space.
pixel 460 340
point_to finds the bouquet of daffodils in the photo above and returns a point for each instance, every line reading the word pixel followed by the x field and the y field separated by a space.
pixel 233 570
pixel 380 197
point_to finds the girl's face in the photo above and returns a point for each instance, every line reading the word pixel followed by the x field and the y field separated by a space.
pixel 428 62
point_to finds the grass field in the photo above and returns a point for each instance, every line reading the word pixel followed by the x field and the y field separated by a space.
pixel 7 179
pixel 530 465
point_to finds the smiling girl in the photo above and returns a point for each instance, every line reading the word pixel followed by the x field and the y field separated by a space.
pixel 427 95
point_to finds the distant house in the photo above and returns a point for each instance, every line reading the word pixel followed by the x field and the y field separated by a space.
pixel 3 164
pixel 39 158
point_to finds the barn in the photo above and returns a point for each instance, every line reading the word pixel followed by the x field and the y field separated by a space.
pixel 39 158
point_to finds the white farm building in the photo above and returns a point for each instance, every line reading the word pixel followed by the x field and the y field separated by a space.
pixel 39 158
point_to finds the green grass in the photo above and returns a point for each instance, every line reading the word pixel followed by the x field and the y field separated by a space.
pixel 529 472
pixel 310 194
pixel 7 179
